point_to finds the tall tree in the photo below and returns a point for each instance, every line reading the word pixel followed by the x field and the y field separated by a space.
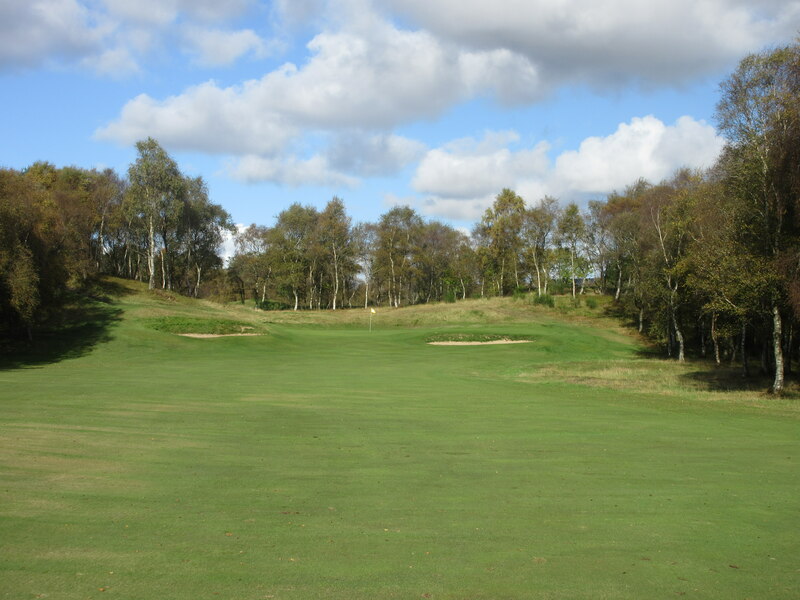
pixel 758 115
pixel 155 193
pixel 537 234
pixel 397 234
pixel 365 239
pixel 571 231
pixel 334 235
pixel 202 228
pixel 291 243
pixel 500 230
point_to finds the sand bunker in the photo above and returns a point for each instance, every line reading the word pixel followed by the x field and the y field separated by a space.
pixel 491 343
pixel 216 335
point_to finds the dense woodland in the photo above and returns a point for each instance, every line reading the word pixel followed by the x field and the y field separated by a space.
pixel 707 262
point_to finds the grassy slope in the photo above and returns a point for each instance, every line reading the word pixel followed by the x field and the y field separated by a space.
pixel 324 461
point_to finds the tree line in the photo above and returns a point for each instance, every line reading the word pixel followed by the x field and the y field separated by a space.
pixel 707 261
pixel 62 227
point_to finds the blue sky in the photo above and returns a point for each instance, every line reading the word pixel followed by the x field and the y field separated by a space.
pixel 438 104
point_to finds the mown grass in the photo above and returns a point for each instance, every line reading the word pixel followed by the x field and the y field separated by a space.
pixel 328 461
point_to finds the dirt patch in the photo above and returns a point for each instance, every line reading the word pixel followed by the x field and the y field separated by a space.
pixel 489 343
pixel 216 335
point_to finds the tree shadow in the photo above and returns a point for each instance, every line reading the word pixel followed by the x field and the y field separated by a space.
pixel 84 322
pixel 730 379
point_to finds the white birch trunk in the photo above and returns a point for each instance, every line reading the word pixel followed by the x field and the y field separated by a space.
pixel 151 253
pixel 335 276
pixel 777 345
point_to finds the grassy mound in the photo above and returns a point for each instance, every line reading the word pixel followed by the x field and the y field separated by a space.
pixel 199 325
pixel 475 337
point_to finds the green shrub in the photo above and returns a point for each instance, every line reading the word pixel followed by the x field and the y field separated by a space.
pixel 273 305
pixel 544 300
pixel 591 302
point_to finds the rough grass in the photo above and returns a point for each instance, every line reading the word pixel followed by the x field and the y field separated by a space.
pixel 474 337
pixel 327 461
pixel 199 325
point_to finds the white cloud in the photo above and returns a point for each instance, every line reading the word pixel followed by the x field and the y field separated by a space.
pixel 115 62
pixel 205 118
pixel 610 41
pixel 511 77
pixel 460 210
pixel 374 79
pixel 164 12
pixel 368 155
pixel 216 47
pixel 227 249
pixel 299 11
pixel 290 171
pixel 460 179
pixel 645 147
pixel 469 169
pixel 34 32
pixel 214 10
pixel 516 50
pixel 142 12
pixel 111 37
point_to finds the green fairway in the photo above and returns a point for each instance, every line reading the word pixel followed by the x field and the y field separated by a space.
pixel 322 460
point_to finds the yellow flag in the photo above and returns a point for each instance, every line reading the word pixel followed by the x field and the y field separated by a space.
pixel 372 310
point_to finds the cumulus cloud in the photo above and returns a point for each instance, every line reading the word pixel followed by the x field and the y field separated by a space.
pixel 368 155
pixel 460 179
pixel 609 41
pixel 217 47
pixel 163 12
pixel 206 118
pixel 142 12
pixel 111 37
pixel 37 31
pixel 469 168
pixel 227 249
pixel 291 171
pixel 115 62
pixel 296 12
pixel 371 79
pixel 645 147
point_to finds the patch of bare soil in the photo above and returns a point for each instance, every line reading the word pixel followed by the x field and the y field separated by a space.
pixel 491 343
pixel 217 335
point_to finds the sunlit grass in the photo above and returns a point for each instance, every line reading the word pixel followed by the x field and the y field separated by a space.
pixel 325 460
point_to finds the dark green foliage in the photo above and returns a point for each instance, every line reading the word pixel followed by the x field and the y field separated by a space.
pixel 273 305
pixel 544 300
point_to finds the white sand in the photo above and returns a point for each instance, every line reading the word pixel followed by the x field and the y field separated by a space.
pixel 492 343
pixel 216 335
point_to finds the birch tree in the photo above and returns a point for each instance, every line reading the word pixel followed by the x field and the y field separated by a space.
pixel 759 117
pixel 156 188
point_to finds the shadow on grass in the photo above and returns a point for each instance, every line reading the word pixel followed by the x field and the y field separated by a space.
pixel 730 379
pixel 106 290
pixel 83 323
